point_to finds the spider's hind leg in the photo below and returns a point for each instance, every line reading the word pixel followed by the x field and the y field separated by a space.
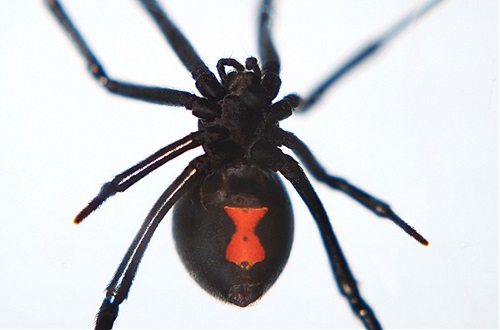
pixel 374 204
pixel 119 287
pixel 346 282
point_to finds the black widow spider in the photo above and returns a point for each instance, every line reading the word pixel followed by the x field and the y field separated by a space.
pixel 233 222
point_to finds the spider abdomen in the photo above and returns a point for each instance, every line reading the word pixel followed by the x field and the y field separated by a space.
pixel 234 232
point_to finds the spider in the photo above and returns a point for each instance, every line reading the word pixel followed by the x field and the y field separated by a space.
pixel 232 221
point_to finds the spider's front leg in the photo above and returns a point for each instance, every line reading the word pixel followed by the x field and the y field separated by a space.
pixel 364 53
pixel 158 95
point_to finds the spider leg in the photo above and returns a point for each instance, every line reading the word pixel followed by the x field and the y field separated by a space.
pixel 124 180
pixel 119 287
pixel 374 204
pixel 158 95
pixel 206 82
pixel 267 52
pixel 365 53
pixel 346 283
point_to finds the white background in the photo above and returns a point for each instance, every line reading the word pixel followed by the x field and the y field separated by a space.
pixel 416 126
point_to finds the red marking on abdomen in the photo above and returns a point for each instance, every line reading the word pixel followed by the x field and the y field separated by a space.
pixel 245 249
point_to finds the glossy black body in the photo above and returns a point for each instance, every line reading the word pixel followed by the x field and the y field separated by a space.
pixel 234 183
pixel 202 231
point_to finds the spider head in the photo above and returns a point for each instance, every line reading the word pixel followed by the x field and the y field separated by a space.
pixel 242 78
